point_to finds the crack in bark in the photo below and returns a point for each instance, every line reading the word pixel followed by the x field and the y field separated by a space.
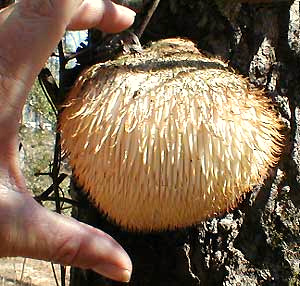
pixel 187 249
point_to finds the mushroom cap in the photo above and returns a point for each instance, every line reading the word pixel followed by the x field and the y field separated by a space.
pixel 167 138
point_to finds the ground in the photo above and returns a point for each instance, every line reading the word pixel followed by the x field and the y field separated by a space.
pixel 35 272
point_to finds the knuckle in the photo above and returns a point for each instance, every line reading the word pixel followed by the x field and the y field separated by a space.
pixel 10 103
pixel 68 251
pixel 38 8
pixel 7 104
pixel 51 11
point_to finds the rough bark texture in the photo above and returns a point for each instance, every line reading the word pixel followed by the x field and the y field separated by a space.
pixel 258 243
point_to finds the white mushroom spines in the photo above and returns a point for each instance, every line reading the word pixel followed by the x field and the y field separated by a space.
pixel 167 138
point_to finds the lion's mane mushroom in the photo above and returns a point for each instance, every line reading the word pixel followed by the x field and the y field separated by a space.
pixel 169 137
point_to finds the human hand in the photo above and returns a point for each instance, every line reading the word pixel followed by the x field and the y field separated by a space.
pixel 29 32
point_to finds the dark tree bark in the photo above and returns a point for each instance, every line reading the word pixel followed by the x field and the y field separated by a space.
pixel 5 3
pixel 257 243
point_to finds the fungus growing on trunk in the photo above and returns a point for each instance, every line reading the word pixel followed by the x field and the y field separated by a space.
pixel 169 137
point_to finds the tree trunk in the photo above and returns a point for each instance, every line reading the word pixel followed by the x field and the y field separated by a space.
pixel 257 243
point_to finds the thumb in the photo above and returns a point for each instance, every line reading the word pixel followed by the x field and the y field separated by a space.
pixel 29 230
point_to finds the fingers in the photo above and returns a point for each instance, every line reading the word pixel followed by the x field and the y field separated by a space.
pixel 38 233
pixel 33 28
pixel 31 31
pixel 104 15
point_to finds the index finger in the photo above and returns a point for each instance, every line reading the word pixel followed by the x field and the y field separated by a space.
pixel 33 28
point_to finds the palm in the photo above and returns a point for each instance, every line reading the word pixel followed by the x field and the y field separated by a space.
pixel 30 30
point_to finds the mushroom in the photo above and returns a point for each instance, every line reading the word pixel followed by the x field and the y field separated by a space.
pixel 169 137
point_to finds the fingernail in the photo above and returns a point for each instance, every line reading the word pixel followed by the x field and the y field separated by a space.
pixel 113 272
pixel 128 11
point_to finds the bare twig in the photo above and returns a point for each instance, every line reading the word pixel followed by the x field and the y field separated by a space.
pixel 62 58
pixel 111 46
pixel 45 195
pixel 54 274
pixel 140 30
pixel 23 270
pixel 50 88
pixel 63 200
pixel 55 176
pixel 55 171
pixel 53 94
pixel 57 151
